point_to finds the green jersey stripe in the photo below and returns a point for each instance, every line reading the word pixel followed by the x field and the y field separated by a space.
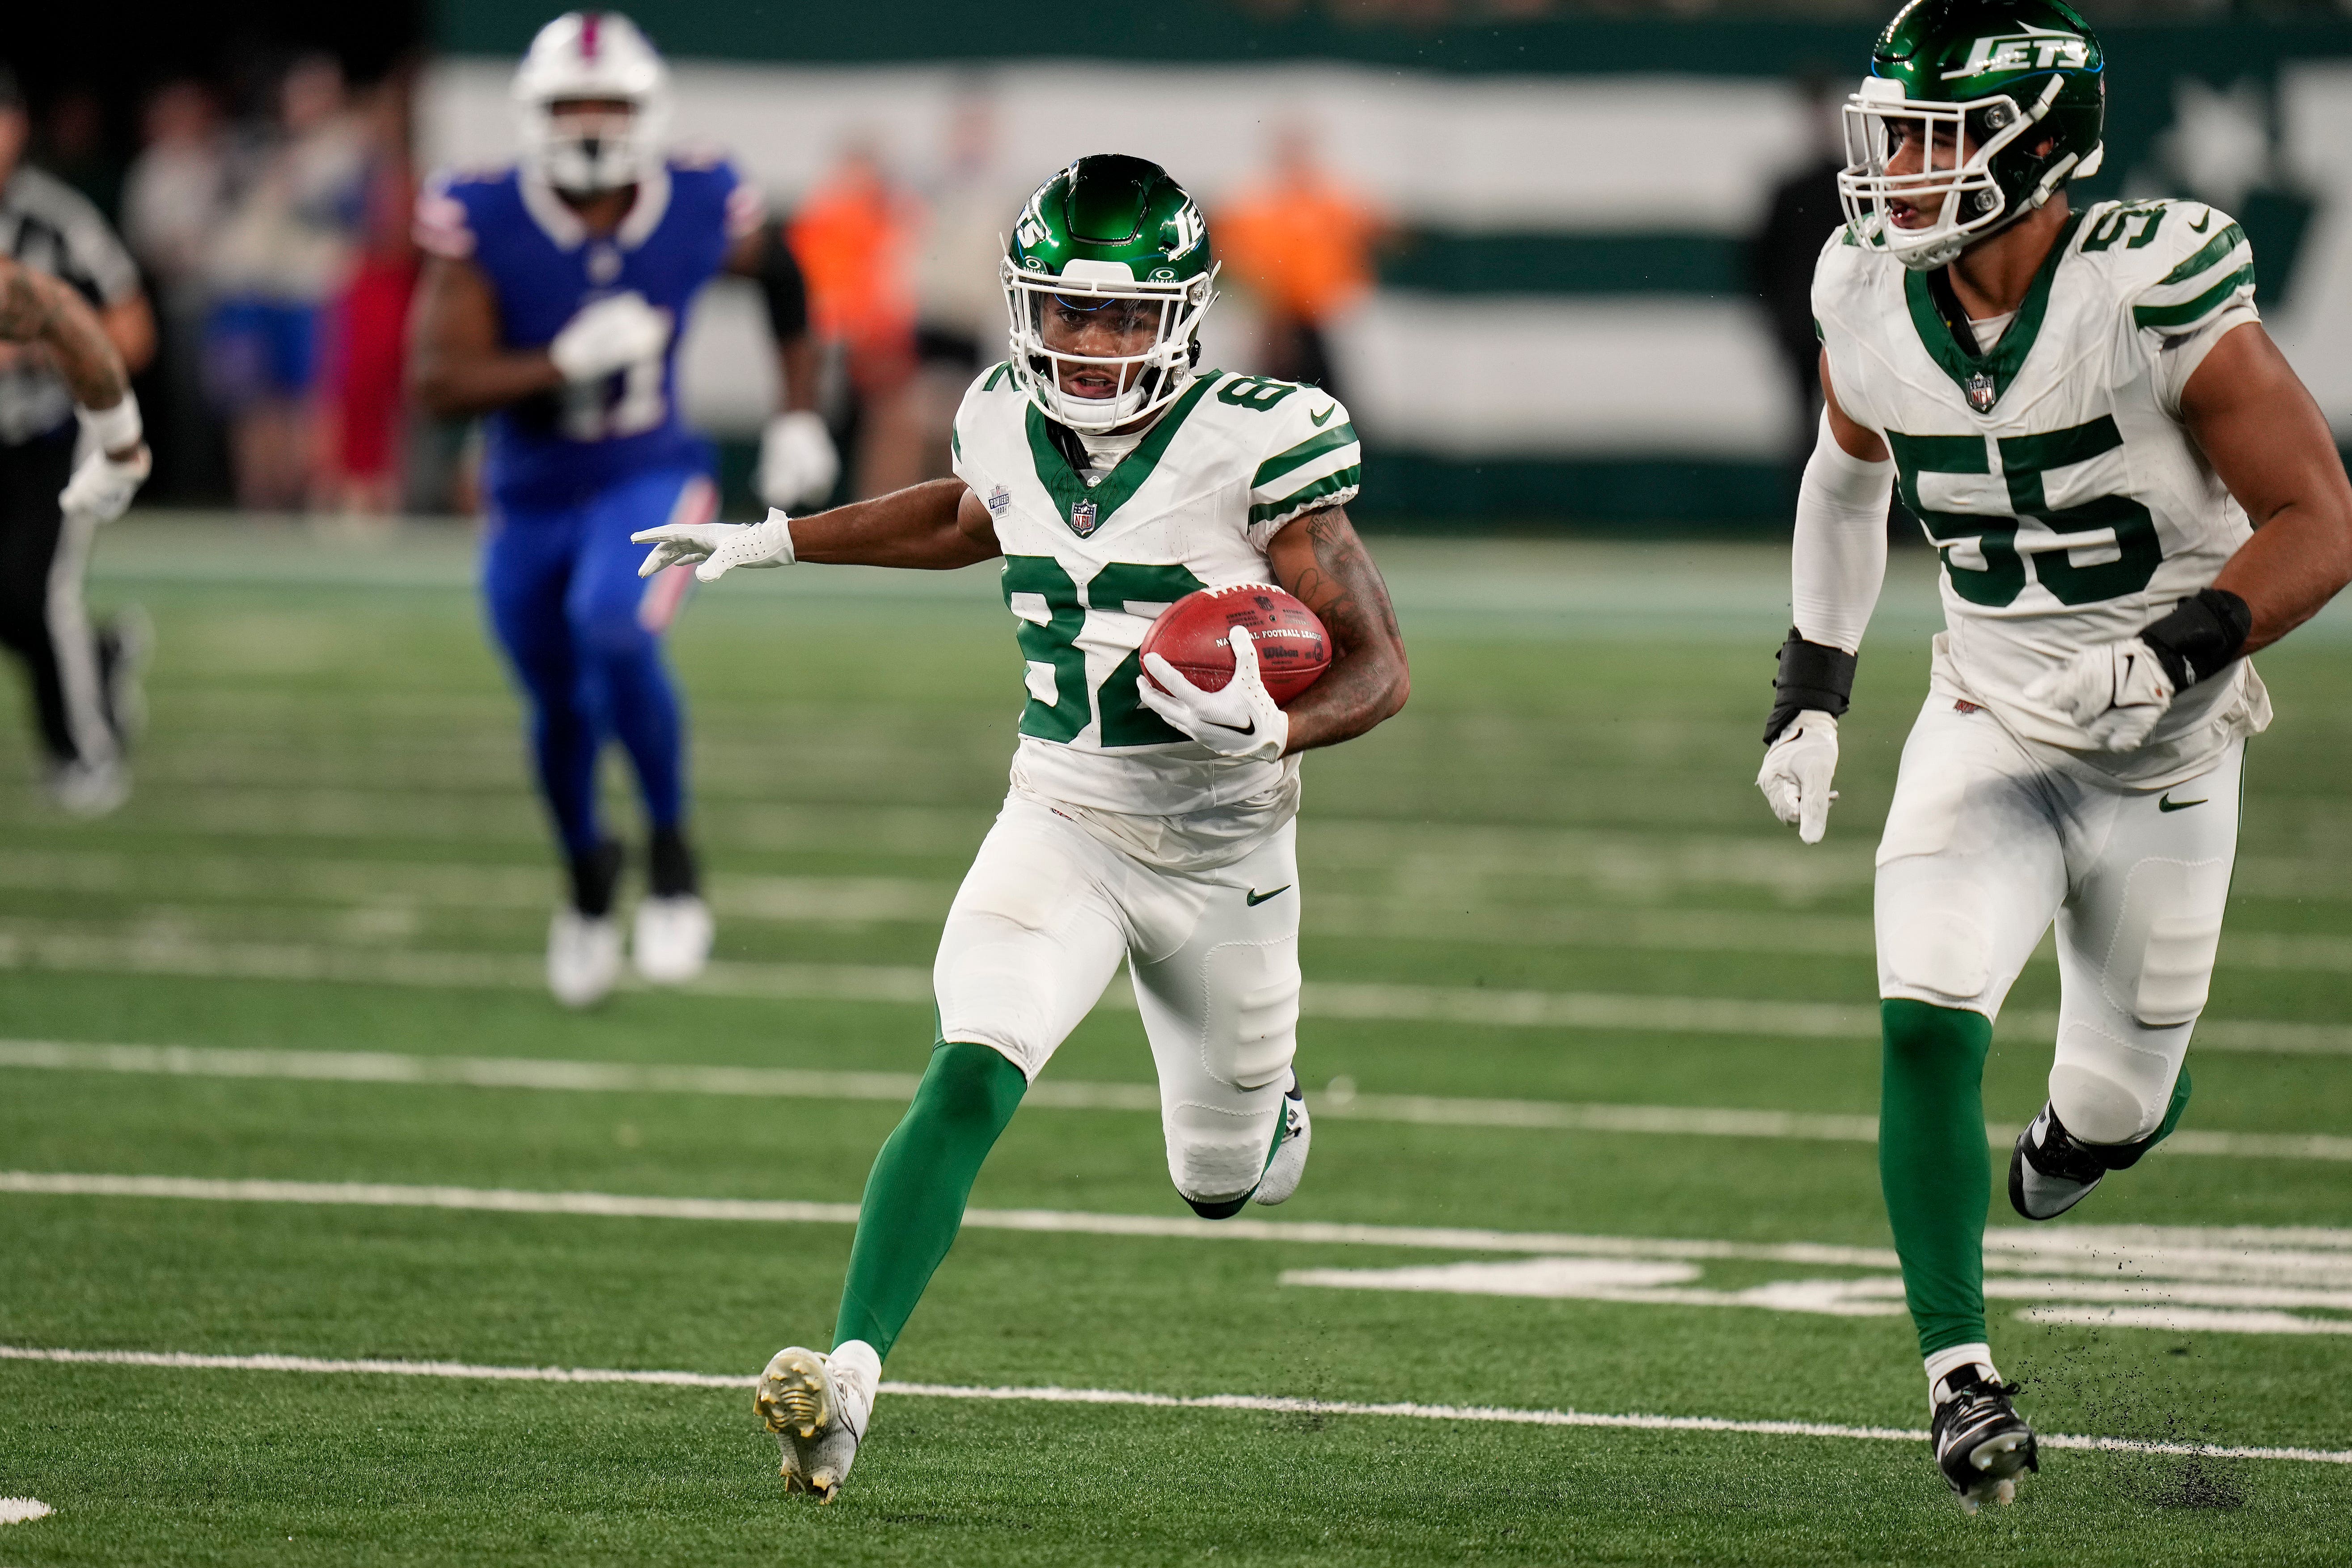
pixel 1348 479
pixel 1001 370
pixel 2216 250
pixel 2195 310
pixel 1281 463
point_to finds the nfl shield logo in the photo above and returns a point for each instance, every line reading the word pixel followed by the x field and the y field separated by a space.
pixel 1981 392
pixel 1082 518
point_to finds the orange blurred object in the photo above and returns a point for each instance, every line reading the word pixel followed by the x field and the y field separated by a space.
pixel 1301 240
pixel 853 238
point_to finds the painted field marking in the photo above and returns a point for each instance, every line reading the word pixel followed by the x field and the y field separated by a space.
pixel 2310 1255
pixel 789 1083
pixel 41 946
pixel 22 1510
pixel 1280 1404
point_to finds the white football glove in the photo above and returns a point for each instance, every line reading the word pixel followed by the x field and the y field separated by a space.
pixel 2116 692
pixel 1797 771
pixel 101 486
pixel 721 547
pixel 1240 721
pixel 798 464
pixel 611 335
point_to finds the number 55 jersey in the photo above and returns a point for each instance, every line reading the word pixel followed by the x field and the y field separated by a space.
pixel 1093 552
pixel 2051 469
pixel 542 266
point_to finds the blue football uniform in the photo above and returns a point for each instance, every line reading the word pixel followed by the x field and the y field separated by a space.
pixel 570 475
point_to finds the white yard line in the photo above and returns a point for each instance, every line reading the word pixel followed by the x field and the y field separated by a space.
pixel 41 946
pixel 22 1510
pixel 785 1083
pixel 1262 1403
pixel 2098 1251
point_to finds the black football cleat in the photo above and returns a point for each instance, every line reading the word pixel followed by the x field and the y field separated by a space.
pixel 1982 1444
pixel 2049 1172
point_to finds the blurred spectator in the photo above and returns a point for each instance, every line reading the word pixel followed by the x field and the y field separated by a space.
pixel 72 146
pixel 282 255
pixel 962 323
pixel 1803 211
pixel 853 238
pixel 1302 243
pixel 366 394
pixel 174 202
pixel 76 669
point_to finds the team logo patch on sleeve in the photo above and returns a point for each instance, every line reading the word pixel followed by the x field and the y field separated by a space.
pixel 998 500
pixel 1082 518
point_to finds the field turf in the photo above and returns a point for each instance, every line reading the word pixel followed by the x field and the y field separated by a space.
pixel 1538 906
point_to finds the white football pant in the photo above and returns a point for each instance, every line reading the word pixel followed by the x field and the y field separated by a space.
pixel 1039 927
pixel 1984 846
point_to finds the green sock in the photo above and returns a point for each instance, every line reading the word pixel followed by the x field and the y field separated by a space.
pixel 1933 1164
pixel 915 1196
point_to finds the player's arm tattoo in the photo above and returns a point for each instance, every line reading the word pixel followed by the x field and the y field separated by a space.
pixel 37 309
pixel 1321 559
pixel 934 526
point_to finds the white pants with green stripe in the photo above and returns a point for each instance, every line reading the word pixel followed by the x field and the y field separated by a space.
pixel 1984 846
pixel 1038 929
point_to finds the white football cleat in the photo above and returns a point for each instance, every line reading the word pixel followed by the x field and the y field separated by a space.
pixel 1288 1167
pixel 818 1407
pixel 89 789
pixel 583 957
pixel 672 942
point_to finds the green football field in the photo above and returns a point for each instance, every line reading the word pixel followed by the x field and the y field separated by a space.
pixel 1589 1264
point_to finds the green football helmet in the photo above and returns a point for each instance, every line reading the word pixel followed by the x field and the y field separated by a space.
pixel 1989 105
pixel 1112 242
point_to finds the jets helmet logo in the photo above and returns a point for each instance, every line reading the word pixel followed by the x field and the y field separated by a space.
pixel 2033 50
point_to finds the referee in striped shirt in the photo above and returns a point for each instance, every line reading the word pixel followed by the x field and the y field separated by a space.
pixel 83 677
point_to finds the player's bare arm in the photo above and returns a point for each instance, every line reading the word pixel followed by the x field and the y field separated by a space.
pixel 2258 426
pixel 935 526
pixel 1320 559
pixel 753 255
pixel 457 367
pixel 37 310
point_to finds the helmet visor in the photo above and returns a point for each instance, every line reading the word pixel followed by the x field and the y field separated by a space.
pixel 1918 180
pixel 1098 353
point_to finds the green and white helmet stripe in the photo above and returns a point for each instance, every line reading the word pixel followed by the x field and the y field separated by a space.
pixel 2007 98
pixel 1107 228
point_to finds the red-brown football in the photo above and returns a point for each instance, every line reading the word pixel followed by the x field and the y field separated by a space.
pixel 1293 648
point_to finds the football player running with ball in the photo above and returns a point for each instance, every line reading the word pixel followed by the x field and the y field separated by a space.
pixel 1149 822
pixel 2130 492
pixel 551 300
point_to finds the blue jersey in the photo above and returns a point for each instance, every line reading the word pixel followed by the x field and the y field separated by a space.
pixel 564 447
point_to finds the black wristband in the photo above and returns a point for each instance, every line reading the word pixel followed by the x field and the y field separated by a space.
pixel 782 288
pixel 1812 675
pixel 2200 637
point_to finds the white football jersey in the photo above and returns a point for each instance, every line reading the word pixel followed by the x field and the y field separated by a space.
pixel 2052 472
pixel 1090 566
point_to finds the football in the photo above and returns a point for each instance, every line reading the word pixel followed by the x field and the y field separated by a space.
pixel 1293 648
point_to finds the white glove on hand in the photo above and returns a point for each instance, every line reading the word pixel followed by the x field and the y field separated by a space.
pixel 101 488
pixel 1242 720
pixel 1797 771
pixel 611 335
pixel 2116 692
pixel 720 546
pixel 798 464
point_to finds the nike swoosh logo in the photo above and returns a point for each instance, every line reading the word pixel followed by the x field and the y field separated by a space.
pixel 2168 803
pixel 1317 419
pixel 1254 898
pixel 2201 225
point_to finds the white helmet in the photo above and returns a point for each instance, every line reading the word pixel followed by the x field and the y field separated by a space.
pixel 592 55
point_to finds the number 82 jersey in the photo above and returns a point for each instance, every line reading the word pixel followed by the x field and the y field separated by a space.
pixel 2053 472
pixel 1088 568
